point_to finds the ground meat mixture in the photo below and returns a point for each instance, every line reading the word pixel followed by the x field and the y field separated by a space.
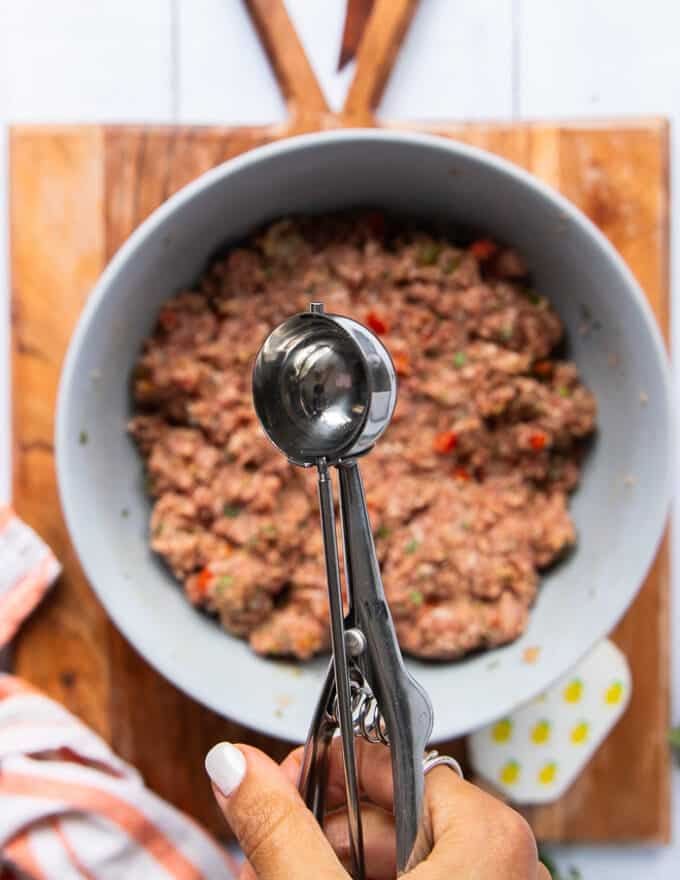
pixel 468 488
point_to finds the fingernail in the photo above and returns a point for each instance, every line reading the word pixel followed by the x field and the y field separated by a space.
pixel 226 766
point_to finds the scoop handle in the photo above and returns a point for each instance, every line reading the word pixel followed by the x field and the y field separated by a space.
pixel 404 705
pixel 313 779
pixel 341 668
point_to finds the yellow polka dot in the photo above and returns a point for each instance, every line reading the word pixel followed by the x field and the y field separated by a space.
pixel 548 773
pixel 573 691
pixel 501 732
pixel 540 733
pixel 614 693
pixel 579 733
pixel 509 773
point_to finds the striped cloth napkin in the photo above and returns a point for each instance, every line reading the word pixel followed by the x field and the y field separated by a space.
pixel 70 809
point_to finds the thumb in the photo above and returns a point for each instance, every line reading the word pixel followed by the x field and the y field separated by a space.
pixel 278 834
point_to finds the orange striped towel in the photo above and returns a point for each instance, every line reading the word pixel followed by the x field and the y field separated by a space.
pixel 27 569
pixel 70 809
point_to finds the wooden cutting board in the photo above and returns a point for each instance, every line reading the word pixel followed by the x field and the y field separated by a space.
pixel 76 195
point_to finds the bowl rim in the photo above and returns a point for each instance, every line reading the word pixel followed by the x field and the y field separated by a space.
pixel 174 672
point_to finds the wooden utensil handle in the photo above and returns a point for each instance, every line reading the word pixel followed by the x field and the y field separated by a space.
pixel 377 53
pixel 294 74
pixel 307 105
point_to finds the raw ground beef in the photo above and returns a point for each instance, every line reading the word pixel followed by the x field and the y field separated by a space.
pixel 467 490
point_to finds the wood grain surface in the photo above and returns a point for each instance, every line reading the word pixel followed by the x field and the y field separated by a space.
pixel 76 194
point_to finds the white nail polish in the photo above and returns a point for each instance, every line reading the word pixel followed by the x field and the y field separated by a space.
pixel 226 766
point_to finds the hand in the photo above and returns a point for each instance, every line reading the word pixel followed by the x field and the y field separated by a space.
pixel 474 836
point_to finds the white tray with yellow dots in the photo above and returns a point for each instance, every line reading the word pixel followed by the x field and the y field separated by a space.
pixel 533 755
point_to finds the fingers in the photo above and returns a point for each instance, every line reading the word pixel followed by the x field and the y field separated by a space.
pixel 246 872
pixel 277 833
pixel 379 840
pixel 374 767
pixel 474 834
pixel 292 763
pixel 375 782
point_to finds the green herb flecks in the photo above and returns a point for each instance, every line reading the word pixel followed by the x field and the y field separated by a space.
pixel 231 510
pixel 674 740
pixel 382 532
pixel 125 513
pixel 429 254
pixel 533 297
pixel 416 597
pixel 459 359
pixel 549 863
pixel 573 872
pixel 158 530
pixel 223 583
pixel 547 860
pixel 564 391
pixel 451 264
pixel 412 546
pixel 506 333
pixel 83 438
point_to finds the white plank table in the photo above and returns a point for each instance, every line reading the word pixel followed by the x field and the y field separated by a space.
pixel 197 61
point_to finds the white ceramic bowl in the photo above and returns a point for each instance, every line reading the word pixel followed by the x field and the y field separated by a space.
pixel 619 525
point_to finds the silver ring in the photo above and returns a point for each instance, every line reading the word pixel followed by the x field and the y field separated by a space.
pixel 434 759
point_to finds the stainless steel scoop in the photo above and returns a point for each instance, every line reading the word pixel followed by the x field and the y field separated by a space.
pixel 324 389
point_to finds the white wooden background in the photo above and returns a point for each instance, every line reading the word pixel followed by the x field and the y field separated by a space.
pixel 197 61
